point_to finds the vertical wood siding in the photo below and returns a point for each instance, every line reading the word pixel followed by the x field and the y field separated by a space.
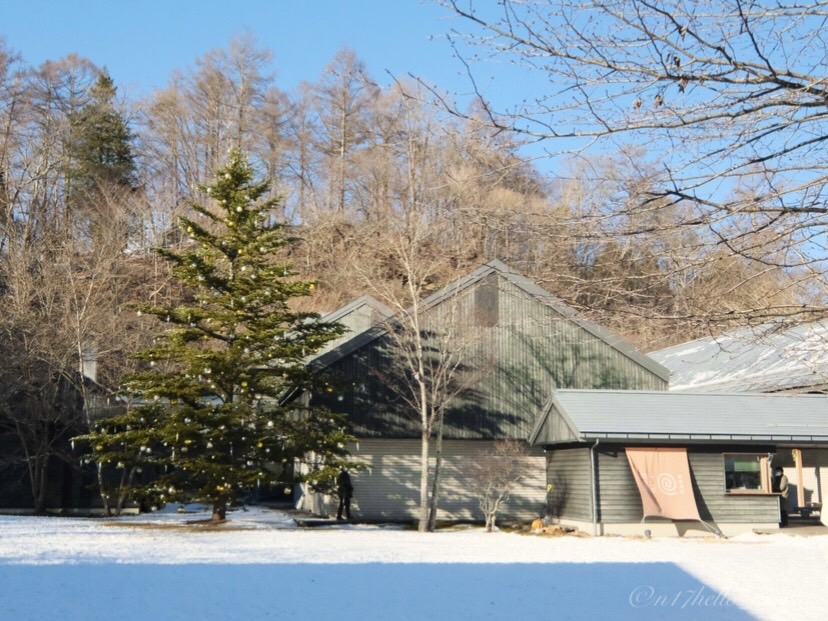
pixel 389 489
pixel 521 349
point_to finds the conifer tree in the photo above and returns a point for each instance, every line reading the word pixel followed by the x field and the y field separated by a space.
pixel 99 166
pixel 211 422
pixel 101 143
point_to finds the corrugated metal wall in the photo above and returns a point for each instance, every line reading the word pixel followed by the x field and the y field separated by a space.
pixel 389 489
pixel 570 489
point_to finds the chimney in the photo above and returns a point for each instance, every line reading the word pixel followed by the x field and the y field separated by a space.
pixel 89 362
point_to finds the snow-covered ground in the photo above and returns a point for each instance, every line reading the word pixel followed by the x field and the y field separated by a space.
pixel 260 566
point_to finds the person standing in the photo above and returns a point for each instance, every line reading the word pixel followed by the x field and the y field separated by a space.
pixel 779 485
pixel 344 490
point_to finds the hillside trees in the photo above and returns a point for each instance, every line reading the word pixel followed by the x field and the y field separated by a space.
pixel 351 155
pixel 227 101
pixel 210 383
pixel 99 151
pixel 60 292
pixel 726 96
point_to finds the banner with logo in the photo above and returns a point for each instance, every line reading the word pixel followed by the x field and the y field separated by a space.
pixel 663 479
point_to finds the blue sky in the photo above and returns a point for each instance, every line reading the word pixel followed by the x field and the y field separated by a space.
pixel 142 41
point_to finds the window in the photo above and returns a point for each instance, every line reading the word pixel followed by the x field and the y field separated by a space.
pixel 747 473
pixel 487 303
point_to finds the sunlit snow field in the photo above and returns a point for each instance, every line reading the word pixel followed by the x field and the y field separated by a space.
pixel 261 566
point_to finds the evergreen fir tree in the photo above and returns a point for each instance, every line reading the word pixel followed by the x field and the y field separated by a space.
pixel 211 423
pixel 100 144
pixel 99 166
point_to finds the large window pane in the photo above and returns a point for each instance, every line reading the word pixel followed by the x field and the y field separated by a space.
pixel 746 472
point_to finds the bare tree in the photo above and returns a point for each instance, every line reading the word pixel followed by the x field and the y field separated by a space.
pixel 56 311
pixel 432 346
pixel 726 96
pixel 493 474
pixel 342 96
pixel 63 265
pixel 227 101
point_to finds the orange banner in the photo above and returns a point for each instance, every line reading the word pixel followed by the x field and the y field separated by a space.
pixel 663 479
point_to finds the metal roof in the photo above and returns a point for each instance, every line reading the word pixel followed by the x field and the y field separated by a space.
pixel 768 358
pixel 353 306
pixel 583 415
pixel 356 321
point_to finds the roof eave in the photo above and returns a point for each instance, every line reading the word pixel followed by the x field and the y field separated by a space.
pixel 714 438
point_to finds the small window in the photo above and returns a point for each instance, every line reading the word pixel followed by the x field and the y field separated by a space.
pixel 747 473
pixel 487 303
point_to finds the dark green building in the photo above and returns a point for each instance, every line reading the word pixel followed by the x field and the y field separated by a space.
pixel 514 344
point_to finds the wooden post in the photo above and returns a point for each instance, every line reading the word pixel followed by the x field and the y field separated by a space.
pixel 765 474
pixel 800 479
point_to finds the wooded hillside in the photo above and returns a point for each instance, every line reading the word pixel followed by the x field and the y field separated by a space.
pixel 371 175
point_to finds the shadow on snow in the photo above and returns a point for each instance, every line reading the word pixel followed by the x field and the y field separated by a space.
pixel 640 591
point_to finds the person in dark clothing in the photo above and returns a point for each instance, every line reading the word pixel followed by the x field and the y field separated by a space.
pixel 779 485
pixel 344 490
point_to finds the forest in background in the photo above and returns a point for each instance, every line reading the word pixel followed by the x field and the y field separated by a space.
pixel 377 181
pixel 391 191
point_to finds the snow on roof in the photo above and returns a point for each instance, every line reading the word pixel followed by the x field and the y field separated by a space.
pixel 768 358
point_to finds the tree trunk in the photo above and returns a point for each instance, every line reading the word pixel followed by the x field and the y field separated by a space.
pixel 87 415
pixel 435 484
pixel 40 485
pixel 423 521
pixel 341 172
pixel 102 491
pixel 123 491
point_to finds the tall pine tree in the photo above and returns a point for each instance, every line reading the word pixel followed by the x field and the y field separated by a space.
pixel 100 142
pixel 99 165
pixel 210 420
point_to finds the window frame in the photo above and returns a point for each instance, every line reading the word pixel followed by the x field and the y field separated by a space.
pixel 764 473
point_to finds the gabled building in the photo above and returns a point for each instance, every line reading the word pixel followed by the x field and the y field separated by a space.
pixel 772 359
pixel 47 424
pixel 722 447
pixel 521 343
